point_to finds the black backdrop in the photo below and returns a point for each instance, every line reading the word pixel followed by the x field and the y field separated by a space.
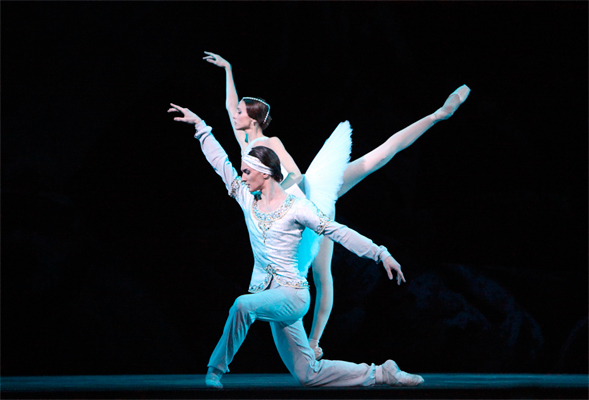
pixel 122 252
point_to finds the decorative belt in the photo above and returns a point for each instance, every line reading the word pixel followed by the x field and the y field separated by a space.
pixel 272 273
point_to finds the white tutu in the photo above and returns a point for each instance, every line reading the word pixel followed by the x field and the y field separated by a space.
pixel 323 179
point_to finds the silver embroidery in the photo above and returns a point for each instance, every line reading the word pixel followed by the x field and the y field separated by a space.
pixel 297 283
pixel 265 220
pixel 323 221
pixel 273 273
pixel 261 286
pixel 235 186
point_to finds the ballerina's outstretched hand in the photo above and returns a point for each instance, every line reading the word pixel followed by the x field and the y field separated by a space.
pixel 187 116
pixel 216 59
pixel 391 264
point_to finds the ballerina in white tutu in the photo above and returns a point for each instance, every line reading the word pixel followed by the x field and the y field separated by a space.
pixel 329 176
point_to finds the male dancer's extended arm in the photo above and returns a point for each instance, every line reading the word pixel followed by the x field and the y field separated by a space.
pixel 363 247
pixel 217 157
pixel 214 153
pixel 311 217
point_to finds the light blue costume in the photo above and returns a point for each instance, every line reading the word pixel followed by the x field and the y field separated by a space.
pixel 279 290
pixel 322 180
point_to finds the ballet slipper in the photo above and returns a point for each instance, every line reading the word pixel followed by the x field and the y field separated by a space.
pixel 452 103
pixel 393 376
pixel 213 379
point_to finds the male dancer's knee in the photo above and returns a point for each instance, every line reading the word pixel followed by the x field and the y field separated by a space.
pixel 307 376
pixel 242 308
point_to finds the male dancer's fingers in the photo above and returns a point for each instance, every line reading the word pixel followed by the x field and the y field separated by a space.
pixel 389 271
pixel 400 277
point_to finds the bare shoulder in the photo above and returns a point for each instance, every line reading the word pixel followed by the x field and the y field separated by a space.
pixel 275 143
pixel 274 139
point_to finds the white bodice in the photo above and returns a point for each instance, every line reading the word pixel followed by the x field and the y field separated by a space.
pixel 276 237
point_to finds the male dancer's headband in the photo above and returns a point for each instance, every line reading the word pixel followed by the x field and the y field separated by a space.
pixel 263 102
pixel 256 164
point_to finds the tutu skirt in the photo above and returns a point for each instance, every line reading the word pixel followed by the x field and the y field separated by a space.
pixel 323 179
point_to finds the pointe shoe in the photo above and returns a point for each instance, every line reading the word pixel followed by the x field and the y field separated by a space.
pixel 213 381
pixel 393 376
pixel 452 103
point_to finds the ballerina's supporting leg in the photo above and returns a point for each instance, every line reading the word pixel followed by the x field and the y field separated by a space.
pixel 354 173
pixel 324 301
pixel 377 158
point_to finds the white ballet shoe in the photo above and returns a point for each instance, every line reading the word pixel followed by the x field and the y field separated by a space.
pixel 452 103
pixel 213 380
pixel 393 376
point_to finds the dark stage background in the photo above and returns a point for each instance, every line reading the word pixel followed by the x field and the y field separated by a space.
pixel 122 253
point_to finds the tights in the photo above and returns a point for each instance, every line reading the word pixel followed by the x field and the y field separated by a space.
pixel 355 172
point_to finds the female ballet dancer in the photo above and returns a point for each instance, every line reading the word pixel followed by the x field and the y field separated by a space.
pixel 250 116
pixel 279 293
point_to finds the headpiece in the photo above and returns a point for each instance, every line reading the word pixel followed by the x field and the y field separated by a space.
pixel 256 164
pixel 263 102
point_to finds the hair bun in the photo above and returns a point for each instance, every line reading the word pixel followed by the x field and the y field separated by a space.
pixel 259 110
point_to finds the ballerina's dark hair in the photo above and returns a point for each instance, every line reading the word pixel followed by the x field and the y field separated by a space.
pixel 270 159
pixel 259 110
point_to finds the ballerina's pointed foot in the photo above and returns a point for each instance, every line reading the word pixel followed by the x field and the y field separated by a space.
pixel 213 380
pixel 393 376
pixel 452 103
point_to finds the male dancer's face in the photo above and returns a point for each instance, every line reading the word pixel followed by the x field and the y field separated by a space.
pixel 252 178
pixel 241 120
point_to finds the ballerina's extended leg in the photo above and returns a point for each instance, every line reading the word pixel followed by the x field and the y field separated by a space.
pixel 372 161
pixel 452 103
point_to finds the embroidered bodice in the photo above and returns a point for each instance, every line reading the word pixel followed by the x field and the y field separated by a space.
pixel 275 236
pixel 265 220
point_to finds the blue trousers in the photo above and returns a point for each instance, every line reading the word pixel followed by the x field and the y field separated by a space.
pixel 284 307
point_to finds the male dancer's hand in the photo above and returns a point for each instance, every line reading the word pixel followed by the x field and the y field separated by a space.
pixel 391 264
pixel 188 116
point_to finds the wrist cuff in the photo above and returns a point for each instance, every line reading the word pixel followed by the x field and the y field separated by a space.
pixel 201 129
pixel 383 254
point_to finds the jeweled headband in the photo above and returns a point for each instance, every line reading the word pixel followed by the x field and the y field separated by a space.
pixel 263 102
pixel 256 164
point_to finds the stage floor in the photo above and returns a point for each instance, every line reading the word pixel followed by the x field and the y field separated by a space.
pixel 270 386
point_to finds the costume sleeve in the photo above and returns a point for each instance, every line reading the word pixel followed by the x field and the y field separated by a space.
pixel 313 218
pixel 217 157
